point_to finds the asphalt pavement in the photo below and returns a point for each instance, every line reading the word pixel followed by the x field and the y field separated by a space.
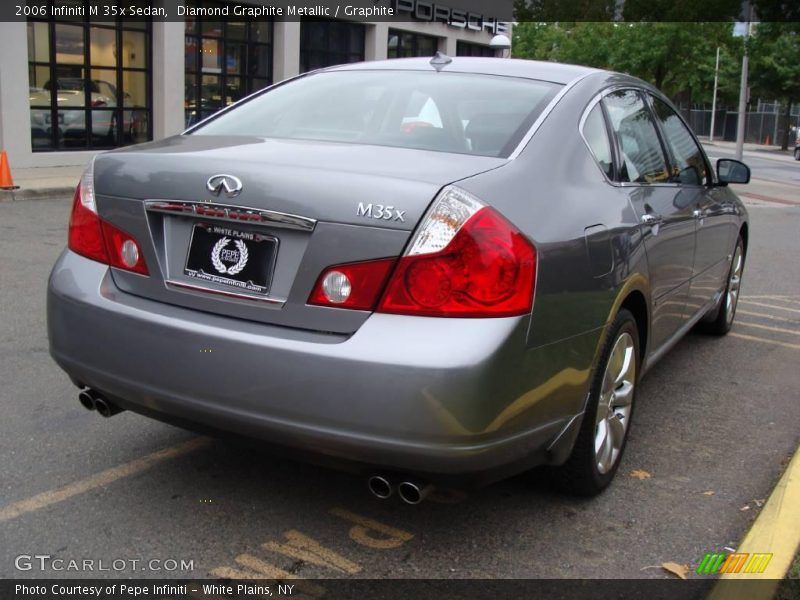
pixel 716 420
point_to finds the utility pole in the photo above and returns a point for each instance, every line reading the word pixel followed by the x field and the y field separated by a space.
pixel 714 101
pixel 743 92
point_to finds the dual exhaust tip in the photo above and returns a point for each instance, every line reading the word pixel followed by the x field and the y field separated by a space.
pixel 93 400
pixel 410 492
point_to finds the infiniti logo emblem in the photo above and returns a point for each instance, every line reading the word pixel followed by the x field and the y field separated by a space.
pixel 228 183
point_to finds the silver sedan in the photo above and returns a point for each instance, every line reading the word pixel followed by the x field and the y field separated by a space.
pixel 443 271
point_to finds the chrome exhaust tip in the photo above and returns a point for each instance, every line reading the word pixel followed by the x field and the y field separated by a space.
pixel 413 492
pixel 105 408
pixel 380 487
pixel 87 399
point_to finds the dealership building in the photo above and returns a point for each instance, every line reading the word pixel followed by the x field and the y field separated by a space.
pixel 74 85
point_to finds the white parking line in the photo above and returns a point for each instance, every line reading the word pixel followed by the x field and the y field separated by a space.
pixel 766 316
pixel 797 310
pixel 767 328
pixel 764 340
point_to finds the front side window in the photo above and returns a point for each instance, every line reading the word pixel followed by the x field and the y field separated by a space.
pixel 642 157
pixel 596 135
pixel 89 84
pixel 404 109
pixel 689 166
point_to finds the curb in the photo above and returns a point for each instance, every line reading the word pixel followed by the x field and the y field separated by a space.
pixel 36 194
pixel 776 530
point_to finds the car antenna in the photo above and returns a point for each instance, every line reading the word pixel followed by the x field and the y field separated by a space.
pixel 440 61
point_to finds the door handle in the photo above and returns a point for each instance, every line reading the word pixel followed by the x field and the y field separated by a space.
pixel 700 215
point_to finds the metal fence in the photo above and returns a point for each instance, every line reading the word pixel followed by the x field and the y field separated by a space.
pixel 762 127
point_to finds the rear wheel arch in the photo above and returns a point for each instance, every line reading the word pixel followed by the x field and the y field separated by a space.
pixel 636 303
pixel 743 233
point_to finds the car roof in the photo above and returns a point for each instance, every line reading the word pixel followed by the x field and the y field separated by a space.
pixel 529 69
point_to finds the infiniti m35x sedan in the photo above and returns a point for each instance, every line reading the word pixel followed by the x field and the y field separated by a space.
pixel 439 271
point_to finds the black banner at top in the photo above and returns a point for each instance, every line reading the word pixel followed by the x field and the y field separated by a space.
pixel 446 11
pixel 453 12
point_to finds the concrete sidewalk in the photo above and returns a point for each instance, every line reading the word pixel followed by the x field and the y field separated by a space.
pixel 43 182
pixel 754 150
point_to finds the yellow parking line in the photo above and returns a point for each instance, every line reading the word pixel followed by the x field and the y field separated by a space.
pixel 767 327
pixel 102 479
pixel 775 531
pixel 765 340
pixel 766 316
pixel 797 310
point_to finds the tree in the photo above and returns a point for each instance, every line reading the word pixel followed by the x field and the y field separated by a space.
pixel 678 58
pixel 775 71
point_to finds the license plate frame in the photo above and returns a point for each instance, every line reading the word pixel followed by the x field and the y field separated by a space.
pixel 234 258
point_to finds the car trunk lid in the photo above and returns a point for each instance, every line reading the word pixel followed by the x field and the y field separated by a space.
pixel 256 252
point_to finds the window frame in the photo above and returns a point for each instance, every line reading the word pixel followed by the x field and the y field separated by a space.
pixel 415 46
pixel 643 94
pixel 307 49
pixel 483 50
pixel 118 26
pixel 650 101
pixel 225 40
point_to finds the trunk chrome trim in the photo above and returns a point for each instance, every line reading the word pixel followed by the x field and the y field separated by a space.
pixel 182 286
pixel 232 214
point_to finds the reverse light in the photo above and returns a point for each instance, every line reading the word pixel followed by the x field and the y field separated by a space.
pixel 466 260
pixel 123 251
pixel 94 238
pixel 356 286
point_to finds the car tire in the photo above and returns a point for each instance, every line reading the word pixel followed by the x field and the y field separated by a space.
pixel 797 153
pixel 720 320
pixel 603 435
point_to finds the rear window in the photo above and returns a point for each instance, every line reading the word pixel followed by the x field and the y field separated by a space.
pixel 447 112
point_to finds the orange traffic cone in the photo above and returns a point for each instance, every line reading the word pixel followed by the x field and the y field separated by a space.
pixel 6 183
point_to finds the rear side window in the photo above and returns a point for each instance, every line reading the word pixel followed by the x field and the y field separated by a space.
pixel 642 157
pixel 596 135
pixel 689 167
pixel 464 113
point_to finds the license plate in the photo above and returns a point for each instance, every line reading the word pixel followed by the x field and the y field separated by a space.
pixel 240 259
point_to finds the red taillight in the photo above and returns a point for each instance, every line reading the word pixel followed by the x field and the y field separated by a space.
pixel 487 270
pixel 355 286
pixel 85 235
pixel 98 103
pixel 94 238
pixel 466 260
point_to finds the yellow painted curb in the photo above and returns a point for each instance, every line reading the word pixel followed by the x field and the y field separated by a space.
pixel 776 530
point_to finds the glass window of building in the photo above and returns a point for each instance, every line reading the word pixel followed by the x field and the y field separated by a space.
pixel 224 61
pixel 404 44
pixel 89 84
pixel 470 49
pixel 328 43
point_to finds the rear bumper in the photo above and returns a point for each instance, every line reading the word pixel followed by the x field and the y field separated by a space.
pixel 430 396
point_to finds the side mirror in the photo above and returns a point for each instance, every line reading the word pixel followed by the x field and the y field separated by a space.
pixel 732 171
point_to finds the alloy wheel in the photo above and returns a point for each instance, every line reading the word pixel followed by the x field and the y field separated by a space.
pixel 734 281
pixel 614 404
